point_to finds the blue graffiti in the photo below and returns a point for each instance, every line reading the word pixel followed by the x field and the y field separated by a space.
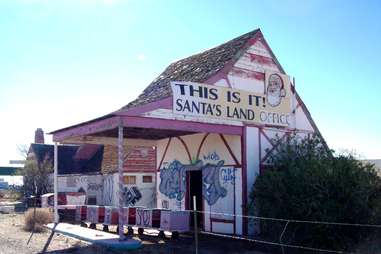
pixel 212 189
pixel 173 179
pixel 228 175
pixel 212 156
pixel 131 195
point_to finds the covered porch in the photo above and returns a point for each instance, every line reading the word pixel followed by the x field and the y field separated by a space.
pixel 122 129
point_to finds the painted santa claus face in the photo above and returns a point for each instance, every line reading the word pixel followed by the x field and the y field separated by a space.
pixel 274 90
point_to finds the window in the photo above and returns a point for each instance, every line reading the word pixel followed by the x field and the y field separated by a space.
pixel 129 179
pixel 91 200
pixel 147 179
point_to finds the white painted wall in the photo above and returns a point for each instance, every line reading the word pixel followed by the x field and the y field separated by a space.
pixel 253 162
pixel 91 184
pixel 212 152
pixel 104 187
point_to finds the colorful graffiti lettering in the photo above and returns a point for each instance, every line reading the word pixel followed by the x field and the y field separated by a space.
pixel 173 179
pixel 131 195
pixel 228 175
pixel 212 189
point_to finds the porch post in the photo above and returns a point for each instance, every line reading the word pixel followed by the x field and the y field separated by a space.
pixel 55 182
pixel 120 182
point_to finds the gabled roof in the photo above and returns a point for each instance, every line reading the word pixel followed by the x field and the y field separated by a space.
pixel 196 68
pixel 85 158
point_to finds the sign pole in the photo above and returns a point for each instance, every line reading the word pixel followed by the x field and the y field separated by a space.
pixel 56 219
pixel 120 182
pixel 195 224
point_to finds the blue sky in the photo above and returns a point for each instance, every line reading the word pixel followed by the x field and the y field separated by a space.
pixel 63 62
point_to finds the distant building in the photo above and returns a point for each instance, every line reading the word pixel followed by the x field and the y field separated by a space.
pixel 10 176
pixel 92 169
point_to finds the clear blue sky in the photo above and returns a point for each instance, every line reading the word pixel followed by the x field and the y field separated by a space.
pixel 63 62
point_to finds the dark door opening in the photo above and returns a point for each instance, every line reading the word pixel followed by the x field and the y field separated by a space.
pixel 195 189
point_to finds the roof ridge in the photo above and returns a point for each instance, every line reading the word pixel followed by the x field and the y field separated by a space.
pixel 197 68
pixel 214 47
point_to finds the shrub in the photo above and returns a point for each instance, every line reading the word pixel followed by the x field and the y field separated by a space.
pixel 42 217
pixel 307 182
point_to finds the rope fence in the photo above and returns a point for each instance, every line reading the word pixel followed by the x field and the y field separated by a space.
pixel 275 243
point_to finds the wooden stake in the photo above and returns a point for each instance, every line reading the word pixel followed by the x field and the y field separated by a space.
pixel 195 224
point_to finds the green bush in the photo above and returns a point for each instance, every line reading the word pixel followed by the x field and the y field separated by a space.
pixel 306 181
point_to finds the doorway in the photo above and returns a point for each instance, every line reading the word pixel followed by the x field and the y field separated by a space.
pixel 195 189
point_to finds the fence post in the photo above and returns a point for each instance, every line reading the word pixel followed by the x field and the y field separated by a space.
pixel 195 224
pixel 281 236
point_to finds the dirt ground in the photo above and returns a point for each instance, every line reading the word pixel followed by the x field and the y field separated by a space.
pixel 13 240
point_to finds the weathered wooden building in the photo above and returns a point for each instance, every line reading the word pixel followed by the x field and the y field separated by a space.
pixel 211 121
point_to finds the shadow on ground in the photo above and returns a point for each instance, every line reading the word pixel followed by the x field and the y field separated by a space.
pixel 184 245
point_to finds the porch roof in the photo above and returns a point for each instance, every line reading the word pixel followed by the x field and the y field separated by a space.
pixel 139 127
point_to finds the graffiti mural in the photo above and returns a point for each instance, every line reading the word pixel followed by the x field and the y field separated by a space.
pixel 143 217
pixel 94 187
pixel 212 189
pixel 108 189
pixel 165 204
pixel 131 195
pixel 228 175
pixel 173 179
pixel 212 156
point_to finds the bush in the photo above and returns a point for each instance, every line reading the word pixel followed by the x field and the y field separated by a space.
pixel 12 195
pixel 42 217
pixel 307 182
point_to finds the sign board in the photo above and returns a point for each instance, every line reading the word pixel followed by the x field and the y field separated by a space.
pixel 272 107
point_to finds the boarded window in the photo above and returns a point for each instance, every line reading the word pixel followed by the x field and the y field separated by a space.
pixel 129 179
pixel 147 179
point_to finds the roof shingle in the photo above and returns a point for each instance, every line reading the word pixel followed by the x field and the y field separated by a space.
pixel 196 68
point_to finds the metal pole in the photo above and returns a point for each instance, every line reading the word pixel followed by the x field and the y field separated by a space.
pixel 195 224
pixel 56 219
pixel 120 182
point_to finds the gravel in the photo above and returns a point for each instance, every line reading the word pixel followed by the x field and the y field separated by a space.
pixel 13 240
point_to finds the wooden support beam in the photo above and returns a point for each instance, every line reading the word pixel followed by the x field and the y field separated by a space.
pixel 108 141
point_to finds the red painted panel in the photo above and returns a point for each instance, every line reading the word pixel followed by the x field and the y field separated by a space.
pixel 260 59
pixel 245 73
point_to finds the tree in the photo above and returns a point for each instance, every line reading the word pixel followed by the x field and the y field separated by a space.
pixel 308 182
pixel 37 176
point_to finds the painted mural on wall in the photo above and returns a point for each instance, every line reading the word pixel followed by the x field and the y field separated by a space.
pixel 131 195
pixel 173 179
pixel 212 189
pixel 108 189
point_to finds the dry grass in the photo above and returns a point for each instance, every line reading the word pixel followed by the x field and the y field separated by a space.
pixel 37 221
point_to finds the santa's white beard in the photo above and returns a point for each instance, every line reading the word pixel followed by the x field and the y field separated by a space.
pixel 273 99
